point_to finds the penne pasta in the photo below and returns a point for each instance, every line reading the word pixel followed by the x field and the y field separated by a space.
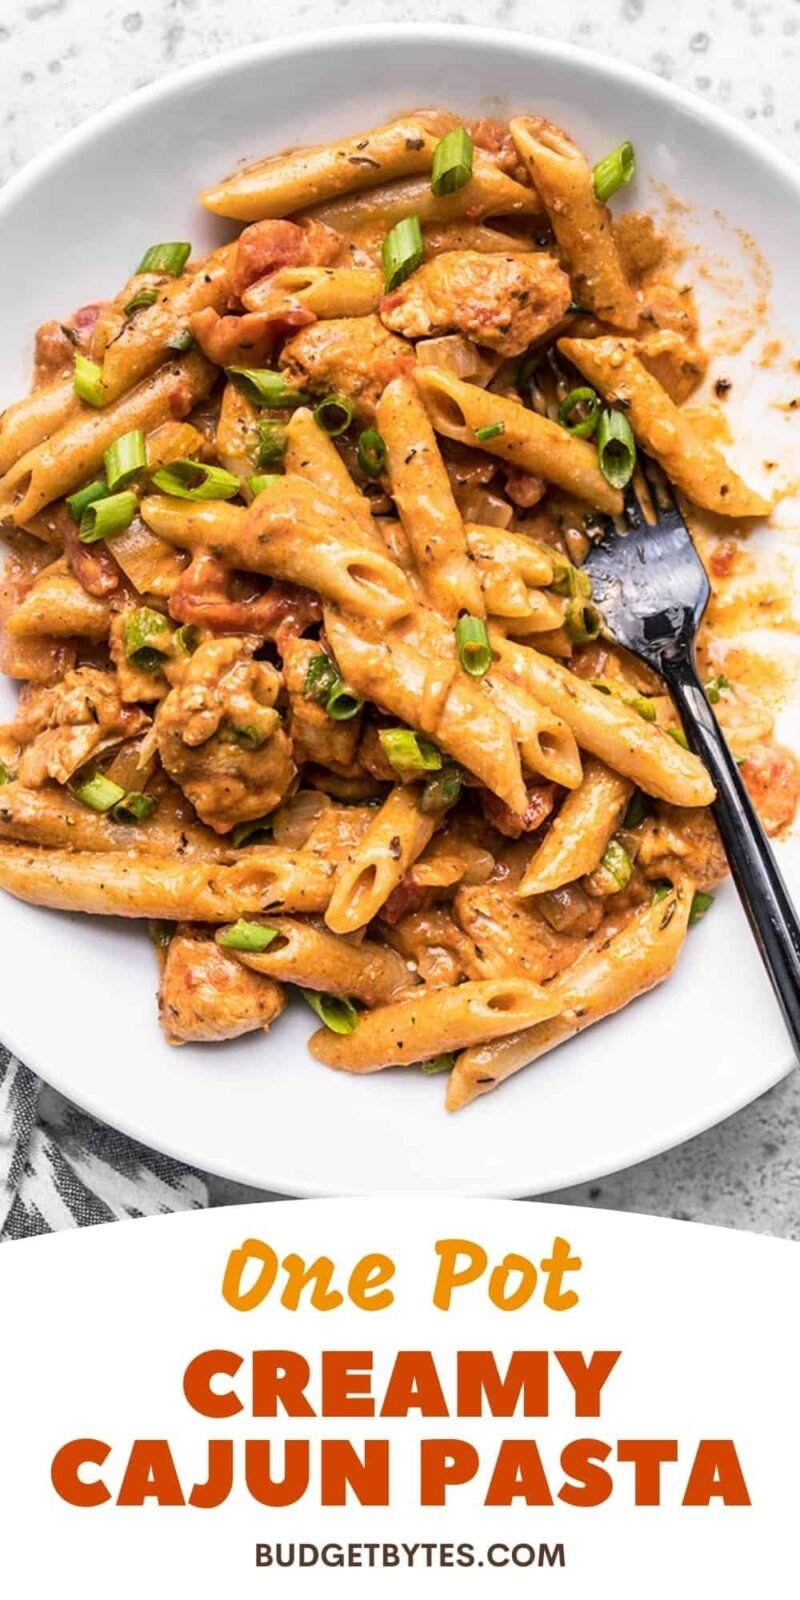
pixel 312 454
pixel 490 192
pixel 29 422
pixel 52 816
pixel 321 291
pixel 143 343
pixel 607 977
pixel 309 955
pixel 57 604
pixel 434 1021
pixel 459 410
pixel 391 844
pixel 575 841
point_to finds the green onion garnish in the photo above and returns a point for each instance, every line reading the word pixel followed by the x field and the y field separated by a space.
pixel 322 676
pixel 402 251
pixel 195 480
pixel 570 581
pixel 474 649
pixel 338 1014
pixel 103 518
pixel 679 736
pixel 161 933
pixel 371 453
pixel 588 404
pixel 77 502
pixel 334 414
pixel 492 430
pixel 186 639
pixel 100 794
pixel 170 258
pixel 147 637
pixel 250 936
pixel 5 775
pixel 637 810
pixel 264 387
pixel 88 381
pixel 342 704
pixel 581 621
pixel 272 442
pixel 245 832
pixel 261 481
pixel 699 907
pixel 124 458
pixel 614 171
pixel 618 863
pixel 134 807
pixel 409 753
pixel 250 736
pixel 713 688
pixel 452 162
pixel 616 448
pixel 661 891
pixel 180 341
pixel 441 791
pixel 145 297
pixel 443 1063
pixel 645 707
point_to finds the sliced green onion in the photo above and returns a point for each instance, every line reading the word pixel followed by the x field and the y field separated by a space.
pixel 443 1063
pixel 250 736
pixel 264 387
pixel 161 933
pixel 195 480
pixel 581 621
pixel 409 753
pixel 5 775
pixel 170 258
pixel 402 251
pixel 492 430
pixel 372 453
pixel 334 414
pixel 88 381
pixel 78 502
pixel 250 936
pixel 244 832
pixel 180 341
pixel 570 581
pixel 124 458
pixel 103 518
pixel 637 810
pixel 441 792
pixel 452 162
pixel 618 863
pixel 713 688
pixel 144 297
pixel 661 891
pixel 338 1014
pixel 342 704
pixel 100 794
pixel 134 807
pixel 589 402
pixel 614 171
pixel 474 649
pixel 616 448
pixel 322 676
pixel 147 637
pixel 186 639
pixel 679 736
pixel 645 707
pixel 699 907
pixel 260 482
pixel 272 442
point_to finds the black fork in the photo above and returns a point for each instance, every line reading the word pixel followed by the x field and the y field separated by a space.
pixel 651 589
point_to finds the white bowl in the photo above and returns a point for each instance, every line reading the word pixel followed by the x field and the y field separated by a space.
pixel 77 1000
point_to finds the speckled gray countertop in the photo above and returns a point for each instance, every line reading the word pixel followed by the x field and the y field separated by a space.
pixel 60 60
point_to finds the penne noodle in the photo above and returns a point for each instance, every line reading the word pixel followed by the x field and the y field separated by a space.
pixel 75 452
pixel 312 454
pixel 191 524
pixel 52 816
pixel 285 184
pixel 380 860
pixel 528 440
pixel 422 494
pixel 496 547
pixel 489 192
pixel 434 1021
pixel 575 841
pixel 607 728
pixel 323 291
pixel 30 421
pixel 607 977
pixel 236 439
pixel 312 957
pixel 143 343
pixel 58 605
pixel 582 225
pixel 663 430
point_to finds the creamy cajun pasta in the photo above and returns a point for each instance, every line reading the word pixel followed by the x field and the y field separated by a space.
pixel 312 680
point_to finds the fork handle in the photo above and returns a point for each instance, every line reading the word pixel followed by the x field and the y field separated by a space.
pixel 762 891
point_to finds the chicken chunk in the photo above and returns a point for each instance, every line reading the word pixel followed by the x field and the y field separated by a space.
pixel 772 776
pixel 684 843
pixel 206 995
pixel 510 936
pixel 220 737
pixel 353 356
pixel 503 301
pixel 63 727
pixel 315 736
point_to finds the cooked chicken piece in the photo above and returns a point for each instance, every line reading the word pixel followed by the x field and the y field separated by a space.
pixel 639 243
pixel 64 726
pixel 510 936
pixel 684 843
pixel 315 735
pixel 353 356
pixel 220 736
pixel 671 352
pixel 206 995
pixel 772 775
pixel 434 946
pixel 503 301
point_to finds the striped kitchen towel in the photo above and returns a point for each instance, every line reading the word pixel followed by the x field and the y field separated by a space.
pixel 59 1168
